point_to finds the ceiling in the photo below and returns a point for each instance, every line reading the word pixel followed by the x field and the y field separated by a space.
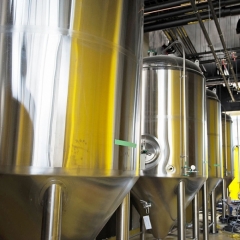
pixel 169 20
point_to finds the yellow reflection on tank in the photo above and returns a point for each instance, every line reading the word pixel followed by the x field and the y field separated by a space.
pixel 91 104
pixel 214 138
pixel 24 132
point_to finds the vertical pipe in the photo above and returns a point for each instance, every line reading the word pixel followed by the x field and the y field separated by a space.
pixel 142 236
pixel 224 198
pixel 213 212
pixel 205 210
pixel 181 210
pixel 52 213
pixel 122 229
pixel 195 217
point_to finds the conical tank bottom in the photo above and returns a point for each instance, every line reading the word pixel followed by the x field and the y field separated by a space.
pixel 213 182
pixel 219 188
pixel 88 203
pixel 162 194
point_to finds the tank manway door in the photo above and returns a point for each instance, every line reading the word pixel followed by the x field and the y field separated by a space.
pixel 150 151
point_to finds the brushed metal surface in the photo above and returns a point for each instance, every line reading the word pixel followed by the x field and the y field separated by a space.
pixel 162 127
pixel 87 204
pixel 214 134
pixel 69 110
pixel 68 75
pixel 162 194
pixel 162 116
pixel 227 145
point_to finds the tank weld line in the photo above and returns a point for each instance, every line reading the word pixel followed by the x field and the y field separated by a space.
pixel 125 143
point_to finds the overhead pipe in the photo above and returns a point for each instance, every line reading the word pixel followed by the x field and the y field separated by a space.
pixel 185 10
pixel 164 6
pixel 208 52
pixel 184 21
pixel 211 47
pixel 223 42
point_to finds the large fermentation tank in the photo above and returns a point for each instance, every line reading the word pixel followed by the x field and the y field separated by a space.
pixel 214 158
pixel 69 114
pixel 173 138
pixel 227 147
pixel 214 133
pixel 227 160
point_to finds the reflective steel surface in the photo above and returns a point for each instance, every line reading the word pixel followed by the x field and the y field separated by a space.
pixel 165 113
pixel 69 110
pixel 227 151
pixel 227 145
pixel 214 133
pixel 68 75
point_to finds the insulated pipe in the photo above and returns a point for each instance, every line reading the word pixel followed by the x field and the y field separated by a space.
pixel 164 6
pixel 223 42
pixel 181 211
pixel 185 10
pixel 52 213
pixel 195 217
pixel 123 214
pixel 205 210
pixel 213 212
pixel 184 21
pixel 211 47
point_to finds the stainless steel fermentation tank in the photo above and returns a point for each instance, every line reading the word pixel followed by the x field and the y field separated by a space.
pixel 173 138
pixel 69 114
pixel 214 132
pixel 215 164
pixel 214 151
pixel 227 163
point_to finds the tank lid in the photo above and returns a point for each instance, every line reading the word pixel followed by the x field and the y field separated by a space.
pixel 212 95
pixel 163 61
pixel 228 117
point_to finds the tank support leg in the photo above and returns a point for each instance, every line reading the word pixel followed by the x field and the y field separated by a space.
pixel 205 211
pixel 142 236
pixel 195 217
pixel 181 222
pixel 52 213
pixel 224 198
pixel 123 214
pixel 213 213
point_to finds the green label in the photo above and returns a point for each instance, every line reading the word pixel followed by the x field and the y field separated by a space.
pixel 125 143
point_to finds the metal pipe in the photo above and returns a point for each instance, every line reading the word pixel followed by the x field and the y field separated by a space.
pixel 222 41
pixel 184 10
pixel 205 211
pixel 224 198
pixel 184 21
pixel 143 230
pixel 209 52
pixel 52 213
pixel 211 47
pixel 181 211
pixel 162 6
pixel 123 214
pixel 195 217
pixel 213 212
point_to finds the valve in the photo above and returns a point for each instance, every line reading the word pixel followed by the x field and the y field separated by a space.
pixel 146 205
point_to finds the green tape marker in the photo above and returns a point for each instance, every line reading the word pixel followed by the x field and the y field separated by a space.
pixel 216 165
pixel 125 143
